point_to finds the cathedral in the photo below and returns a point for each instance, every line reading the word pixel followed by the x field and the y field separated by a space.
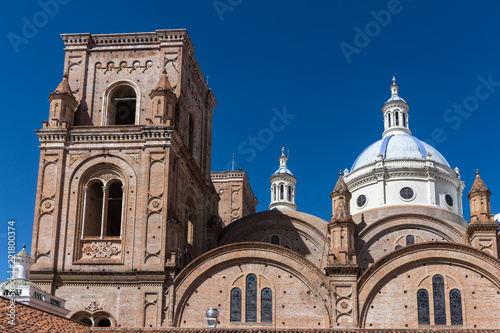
pixel 132 229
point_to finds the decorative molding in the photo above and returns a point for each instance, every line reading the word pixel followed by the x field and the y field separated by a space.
pixel 134 157
pixel 73 158
pixel 93 307
pixel 100 250
pixel 124 66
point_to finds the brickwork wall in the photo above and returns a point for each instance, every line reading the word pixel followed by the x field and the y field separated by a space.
pixel 302 233
pixel 388 292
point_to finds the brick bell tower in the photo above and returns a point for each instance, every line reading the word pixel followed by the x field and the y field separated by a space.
pixel 124 196
pixel 482 229
pixel 342 269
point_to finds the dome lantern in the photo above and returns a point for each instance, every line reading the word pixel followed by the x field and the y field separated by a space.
pixel 283 186
pixel 395 112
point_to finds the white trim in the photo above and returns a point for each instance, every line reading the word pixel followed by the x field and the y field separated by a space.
pixel 105 101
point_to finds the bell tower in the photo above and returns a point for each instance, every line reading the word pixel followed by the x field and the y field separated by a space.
pixel 482 229
pixel 124 198
pixel 342 268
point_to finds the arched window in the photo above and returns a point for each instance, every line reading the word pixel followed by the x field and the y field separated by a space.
pixel 397 118
pixel 266 305
pixel 289 193
pixel 103 207
pixel 397 247
pixel 105 322
pixel 424 317
pixel 115 203
pixel 439 304
pixel 122 105
pixel 251 299
pixel 282 192
pixel 456 307
pixel 389 119
pixel 274 192
pixel 410 240
pixel 275 240
pixel 404 119
pixel 235 315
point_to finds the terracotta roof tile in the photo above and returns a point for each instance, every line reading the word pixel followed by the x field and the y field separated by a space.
pixel 32 320
pixel 164 84
pixel 341 186
pixel 63 87
pixel 478 185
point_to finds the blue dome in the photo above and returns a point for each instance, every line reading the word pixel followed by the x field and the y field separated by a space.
pixel 398 147
pixel 283 171
pixel 395 98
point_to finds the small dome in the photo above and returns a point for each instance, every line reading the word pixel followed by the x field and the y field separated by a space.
pixel 395 98
pixel 282 171
pixel 19 282
pixel 398 147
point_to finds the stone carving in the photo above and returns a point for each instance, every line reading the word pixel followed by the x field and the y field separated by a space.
pixel 124 66
pixel 93 307
pixel 100 250
pixel 73 158
pixel 134 157
pixel 107 176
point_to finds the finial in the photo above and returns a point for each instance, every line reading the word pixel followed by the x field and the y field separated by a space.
pixel 394 87
pixel 340 173
pixel 282 151
pixel 477 172
pixel 24 246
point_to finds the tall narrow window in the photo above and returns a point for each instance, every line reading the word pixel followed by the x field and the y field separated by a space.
pixel 122 106
pixel 410 240
pixel 274 192
pixel 281 192
pixel 389 119
pixel 423 307
pixel 456 307
pixel 439 305
pixel 275 240
pixel 103 209
pixel 235 315
pixel 251 299
pixel 397 118
pixel 114 218
pixel 191 135
pixel 93 209
pixel 404 119
pixel 190 232
pixel 289 193
pixel 266 305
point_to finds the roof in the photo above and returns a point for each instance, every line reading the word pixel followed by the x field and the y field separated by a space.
pixel 267 330
pixel 23 253
pixel 398 147
pixel 63 87
pixel 283 171
pixel 32 320
pixel 395 98
pixel 341 186
pixel 20 282
pixel 164 84
pixel 479 185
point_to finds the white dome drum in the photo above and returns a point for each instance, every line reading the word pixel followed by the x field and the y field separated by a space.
pixel 400 169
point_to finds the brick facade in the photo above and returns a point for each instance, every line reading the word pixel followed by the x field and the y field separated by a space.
pixel 133 230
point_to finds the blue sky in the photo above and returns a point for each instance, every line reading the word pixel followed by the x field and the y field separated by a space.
pixel 327 64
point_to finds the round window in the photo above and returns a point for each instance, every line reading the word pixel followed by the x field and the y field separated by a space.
pixel 406 193
pixel 361 201
pixel 449 200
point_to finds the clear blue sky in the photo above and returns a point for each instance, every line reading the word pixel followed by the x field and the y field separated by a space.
pixel 329 63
